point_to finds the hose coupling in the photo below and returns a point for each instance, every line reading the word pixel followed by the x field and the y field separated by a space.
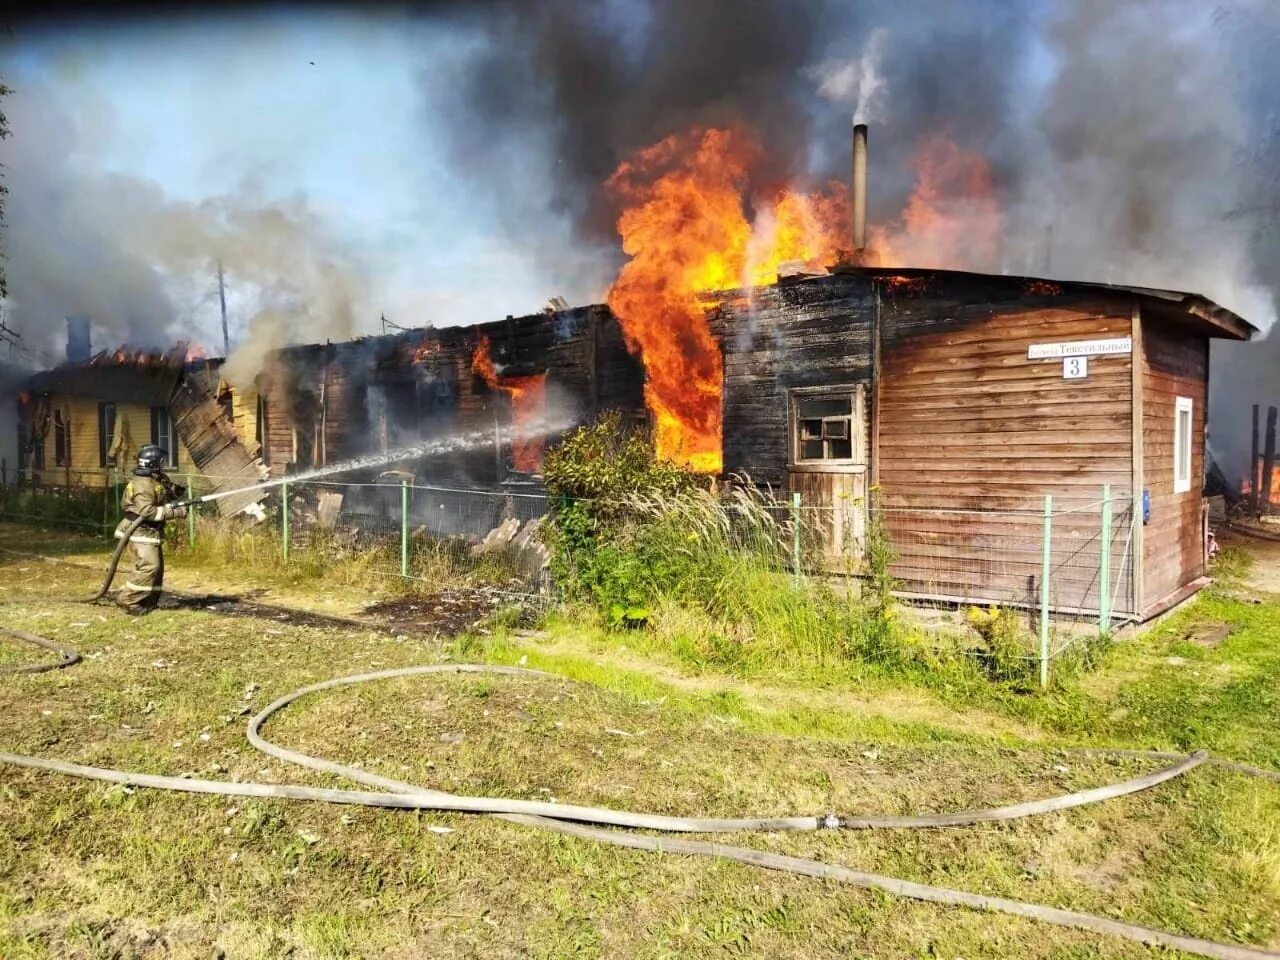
pixel 830 822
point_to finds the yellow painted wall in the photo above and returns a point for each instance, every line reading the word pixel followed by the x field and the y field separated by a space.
pixel 244 412
pixel 84 468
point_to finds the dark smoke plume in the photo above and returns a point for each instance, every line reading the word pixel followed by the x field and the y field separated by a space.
pixel 1128 142
pixel 113 246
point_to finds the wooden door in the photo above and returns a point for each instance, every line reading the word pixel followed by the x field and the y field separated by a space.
pixel 827 466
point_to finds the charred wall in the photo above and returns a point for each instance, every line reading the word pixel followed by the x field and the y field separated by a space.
pixel 804 333
pixel 385 393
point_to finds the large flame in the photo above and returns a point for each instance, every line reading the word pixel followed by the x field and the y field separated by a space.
pixel 528 397
pixel 685 226
pixel 951 220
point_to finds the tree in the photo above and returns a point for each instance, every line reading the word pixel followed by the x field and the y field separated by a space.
pixel 4 132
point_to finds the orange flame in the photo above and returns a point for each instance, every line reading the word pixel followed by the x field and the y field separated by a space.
pixel 952 219
pixel 125 355
pixel 528 397
pixel 1246 485
pixel 685 228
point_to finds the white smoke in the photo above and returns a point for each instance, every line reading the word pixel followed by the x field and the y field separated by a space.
pixel 115 247
pixel 857 82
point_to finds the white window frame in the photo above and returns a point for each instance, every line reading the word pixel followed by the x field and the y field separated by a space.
pixel 856 394
pixel 164 433
pixel 1183 444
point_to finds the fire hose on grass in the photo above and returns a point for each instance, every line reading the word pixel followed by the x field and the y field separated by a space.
pixel 599 824
pixel 602 824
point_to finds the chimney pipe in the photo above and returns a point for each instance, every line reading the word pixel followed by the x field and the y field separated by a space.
pixel 79 346
pixel 859 187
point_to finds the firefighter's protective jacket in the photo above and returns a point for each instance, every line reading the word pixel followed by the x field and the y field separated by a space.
pixel 150 498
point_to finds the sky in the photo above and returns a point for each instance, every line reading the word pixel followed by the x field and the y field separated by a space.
pixel 327 108
pixel 444 167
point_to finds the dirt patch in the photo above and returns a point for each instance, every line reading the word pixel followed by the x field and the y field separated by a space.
pixel 238 606
pixel 1207 635
pixel 447 613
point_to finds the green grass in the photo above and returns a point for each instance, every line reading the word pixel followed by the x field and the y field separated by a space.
pixel 94 871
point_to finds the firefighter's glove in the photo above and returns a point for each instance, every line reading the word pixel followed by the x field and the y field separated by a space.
pixel 177 511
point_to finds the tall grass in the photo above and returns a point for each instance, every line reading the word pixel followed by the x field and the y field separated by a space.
pixel 85 509
pixel 340 556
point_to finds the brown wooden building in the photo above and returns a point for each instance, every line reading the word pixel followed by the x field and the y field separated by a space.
pixel 965 399
pixel 319 404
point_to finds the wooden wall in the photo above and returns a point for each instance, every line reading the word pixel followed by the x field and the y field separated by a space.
pixel 84 468
pixel 972 435
pixel 1174 364
pixel 581 351
pixel 804 333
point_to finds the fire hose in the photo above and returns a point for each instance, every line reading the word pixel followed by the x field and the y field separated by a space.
pixel 592 823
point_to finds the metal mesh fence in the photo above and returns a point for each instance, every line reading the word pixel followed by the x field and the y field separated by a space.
pixel 1065 569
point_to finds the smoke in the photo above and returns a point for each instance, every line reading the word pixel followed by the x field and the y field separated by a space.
pixel 113 246
pixel 858 82
pixel 1133 143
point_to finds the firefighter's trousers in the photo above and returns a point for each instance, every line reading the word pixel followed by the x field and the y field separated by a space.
pixel 141 590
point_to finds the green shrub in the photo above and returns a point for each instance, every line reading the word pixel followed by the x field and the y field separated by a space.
pixel 1005 652
pixel 650 544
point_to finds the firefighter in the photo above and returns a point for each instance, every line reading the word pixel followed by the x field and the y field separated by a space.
pixel 151 495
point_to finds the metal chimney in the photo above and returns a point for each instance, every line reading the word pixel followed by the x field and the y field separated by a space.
pixel 859 187
pixel 78 344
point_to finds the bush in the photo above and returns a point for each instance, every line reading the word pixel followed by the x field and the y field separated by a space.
pixel 1005 652
pixel 652 544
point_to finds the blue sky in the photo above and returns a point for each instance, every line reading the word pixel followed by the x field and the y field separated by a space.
pixel 204 107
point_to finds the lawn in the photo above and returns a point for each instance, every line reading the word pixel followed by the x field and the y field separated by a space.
pixel 88 870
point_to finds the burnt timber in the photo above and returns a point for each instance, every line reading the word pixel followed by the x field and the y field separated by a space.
pixel 964 433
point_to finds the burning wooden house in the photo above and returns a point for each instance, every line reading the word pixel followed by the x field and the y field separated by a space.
pixel 519 380
pixel 81 422
pixel 966 399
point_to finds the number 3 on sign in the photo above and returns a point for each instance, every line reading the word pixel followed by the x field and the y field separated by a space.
pixel 1075 368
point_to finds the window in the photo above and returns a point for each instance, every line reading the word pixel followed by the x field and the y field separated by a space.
pixel 823 428
pixel 23 452
pixel 106 434
pixel 163 433
pixel 61 438
pixel 262 431
pixel 1182 446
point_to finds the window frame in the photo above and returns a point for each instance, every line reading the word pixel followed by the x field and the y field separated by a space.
pixel 1183 446
pixel 106 437
pixel 168 442
pixel 855 393
pixel 61 437
pixel 262 429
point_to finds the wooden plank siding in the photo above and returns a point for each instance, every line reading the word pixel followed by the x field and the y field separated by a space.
pixel 973 435
pixel 1173 364
pixel 84 468
pixel 809 333
pixel 581 352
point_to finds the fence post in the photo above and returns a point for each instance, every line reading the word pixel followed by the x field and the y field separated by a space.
pixel 284 520
pixel 795 533
pixel 191 517
pixel 1104 573
pixel 1044 592
pixel 404 528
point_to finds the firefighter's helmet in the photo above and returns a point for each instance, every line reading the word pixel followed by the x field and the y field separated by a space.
pixel 151 459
